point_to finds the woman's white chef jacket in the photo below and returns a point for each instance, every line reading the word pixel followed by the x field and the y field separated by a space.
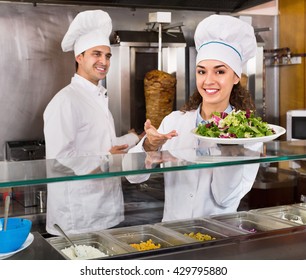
pixel 77 122
pixel 199 192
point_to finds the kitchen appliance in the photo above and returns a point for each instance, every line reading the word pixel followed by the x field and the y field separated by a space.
pixel 296 123
pixel 295 130
pixel 28 196
pixel 134 53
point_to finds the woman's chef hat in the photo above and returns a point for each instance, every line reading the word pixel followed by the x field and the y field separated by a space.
pixel 87 30
pixel 225 38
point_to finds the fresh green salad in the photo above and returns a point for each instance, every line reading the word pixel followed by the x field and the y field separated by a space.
pixel 236 124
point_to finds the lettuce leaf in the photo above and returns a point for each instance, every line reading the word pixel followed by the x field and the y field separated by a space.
pixel 237 124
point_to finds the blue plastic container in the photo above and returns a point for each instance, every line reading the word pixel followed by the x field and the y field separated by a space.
pixel 16 233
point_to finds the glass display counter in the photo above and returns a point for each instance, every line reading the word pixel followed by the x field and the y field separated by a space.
pixel 144 201
pixel 26 173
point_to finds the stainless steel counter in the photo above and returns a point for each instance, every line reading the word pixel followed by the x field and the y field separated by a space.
pixel 285 244
pixel 40 249
pixel 279 244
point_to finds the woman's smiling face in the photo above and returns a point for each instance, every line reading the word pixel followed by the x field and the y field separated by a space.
pixel 215 80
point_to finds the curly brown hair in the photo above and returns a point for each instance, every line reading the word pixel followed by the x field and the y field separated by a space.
pixel 240 99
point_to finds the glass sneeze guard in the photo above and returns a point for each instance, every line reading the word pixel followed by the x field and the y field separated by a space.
pixel 20 173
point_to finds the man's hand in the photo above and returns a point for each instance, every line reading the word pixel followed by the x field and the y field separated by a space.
pixel 120 149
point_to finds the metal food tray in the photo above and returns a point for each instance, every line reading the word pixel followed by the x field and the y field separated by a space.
pixel 96 240
pixel 300 205
pixel 251 222
pixel 204 226
pixel 287 212
pixel 142 233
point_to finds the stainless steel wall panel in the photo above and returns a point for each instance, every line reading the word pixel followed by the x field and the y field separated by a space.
pixel 33 67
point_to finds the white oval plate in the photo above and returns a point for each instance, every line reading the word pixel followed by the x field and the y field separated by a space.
pixel 231 141
pixel 26 244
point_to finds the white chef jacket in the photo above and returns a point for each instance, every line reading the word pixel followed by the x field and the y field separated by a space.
pixel 77 122
pixel 199 192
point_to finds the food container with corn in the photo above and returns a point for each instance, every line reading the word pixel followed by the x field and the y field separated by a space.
pixel 199 230
pixel 146 237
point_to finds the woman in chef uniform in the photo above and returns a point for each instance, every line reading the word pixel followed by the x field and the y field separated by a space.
pixel 78 123
pixel 224 44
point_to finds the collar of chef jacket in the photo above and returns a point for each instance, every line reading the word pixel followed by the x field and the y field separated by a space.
pixel 97 90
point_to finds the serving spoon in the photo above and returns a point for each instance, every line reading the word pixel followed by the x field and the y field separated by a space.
pixel 6 211
pixel 77 252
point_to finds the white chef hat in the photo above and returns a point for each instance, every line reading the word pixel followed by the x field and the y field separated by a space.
pixel 225 38
pixel 87 30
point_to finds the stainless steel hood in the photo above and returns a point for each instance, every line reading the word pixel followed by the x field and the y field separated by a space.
pixel 229 6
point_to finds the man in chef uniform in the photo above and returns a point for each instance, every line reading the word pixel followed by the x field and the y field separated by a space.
pixel 79 130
